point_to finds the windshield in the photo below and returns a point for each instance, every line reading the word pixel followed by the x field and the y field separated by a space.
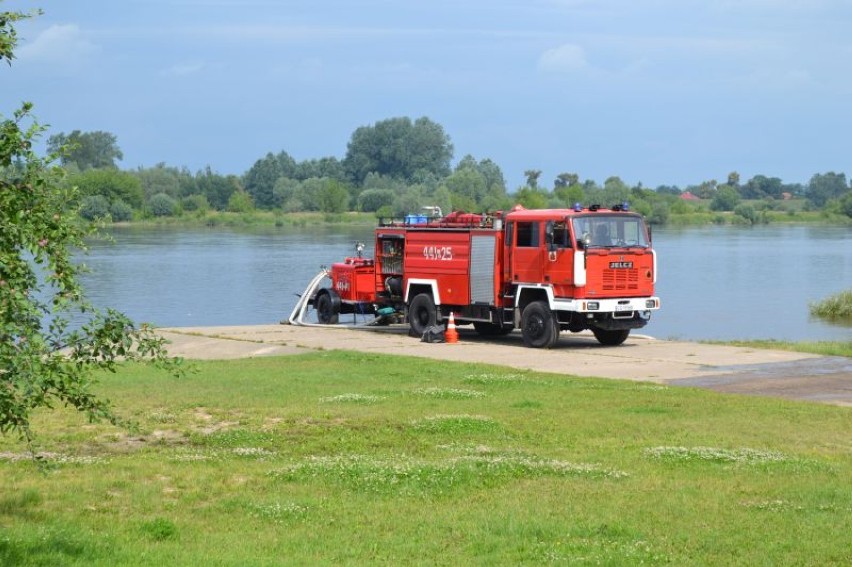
pixel 611 230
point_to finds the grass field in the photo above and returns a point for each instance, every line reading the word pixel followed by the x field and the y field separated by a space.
pixel 347 458
pixel 824 348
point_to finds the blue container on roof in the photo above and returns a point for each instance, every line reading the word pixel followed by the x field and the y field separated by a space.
pixel 415 219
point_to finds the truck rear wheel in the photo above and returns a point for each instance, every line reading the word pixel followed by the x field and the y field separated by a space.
pixel 421 314
pixel 611 338
pixel 328 307
pixel 538 325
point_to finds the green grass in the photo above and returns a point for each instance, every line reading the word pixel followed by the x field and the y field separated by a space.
pixel 825 348
pixel 345 458
pixel 837 307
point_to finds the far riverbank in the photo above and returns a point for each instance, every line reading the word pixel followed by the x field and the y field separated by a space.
pixel 278 219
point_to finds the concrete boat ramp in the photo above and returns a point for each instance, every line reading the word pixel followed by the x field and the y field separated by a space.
pixel 722 368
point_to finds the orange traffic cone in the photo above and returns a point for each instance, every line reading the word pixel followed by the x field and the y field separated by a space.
pixel 451 335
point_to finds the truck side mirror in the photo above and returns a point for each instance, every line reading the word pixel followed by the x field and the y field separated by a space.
pixel 585 240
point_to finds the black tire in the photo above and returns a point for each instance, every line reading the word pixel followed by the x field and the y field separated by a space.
pixel 539 327
pixel 421 314
pixel 328 307
pixel 490 329
pixel 611 338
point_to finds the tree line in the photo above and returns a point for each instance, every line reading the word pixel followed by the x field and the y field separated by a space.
pixel 395 167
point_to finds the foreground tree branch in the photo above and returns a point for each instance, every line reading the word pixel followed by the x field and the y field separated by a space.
pixel 45 360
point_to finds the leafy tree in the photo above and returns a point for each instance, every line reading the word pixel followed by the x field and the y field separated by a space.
pixel 615 191
pixel 288 192
pixel 706 190
pixel 195 203
pixel 493 194
pixel 761 187
pixel 120 211
pixel 333 197
pixel 329 167
pixel 668 190
pixel 734 179
pixel 747 212
pixel 726 199
pixel 385 211
pixel 459 202
pixel 94 207
pixel 378 181
pixel 680 207
pixel 43 360
pixel 216 188
pixel 112 184
pixel 442 198
pixel 467 182
pixel 824 187
pixel 659 213
pixel 399 148
pixel 162 179
pixel 410 201
pixel 162 205
pixel 531 198
pixel 260 180
pixel 566 180
pixel 569 194
pixel 846 204
pixel 86 150
pixel 309 193
pixel 372 200
pixel 240 202
pixel 532 176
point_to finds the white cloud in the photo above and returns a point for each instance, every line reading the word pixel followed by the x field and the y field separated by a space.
pixel 565 58
pixel 61 45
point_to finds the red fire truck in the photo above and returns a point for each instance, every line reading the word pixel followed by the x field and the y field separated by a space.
pixel 540 271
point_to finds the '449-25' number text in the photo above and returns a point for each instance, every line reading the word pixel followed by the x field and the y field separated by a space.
pixel 438 252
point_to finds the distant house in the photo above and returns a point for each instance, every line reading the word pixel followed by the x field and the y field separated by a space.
pixel 687 196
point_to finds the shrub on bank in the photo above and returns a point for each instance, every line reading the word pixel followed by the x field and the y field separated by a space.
pixel 94 207
pixel 121 211
pixel 162 205
pixel 837 307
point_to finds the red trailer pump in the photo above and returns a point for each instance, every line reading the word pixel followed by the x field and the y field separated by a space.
pixel 540 271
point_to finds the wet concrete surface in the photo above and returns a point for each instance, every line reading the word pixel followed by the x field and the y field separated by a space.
pixel 823 379
pixel 730 369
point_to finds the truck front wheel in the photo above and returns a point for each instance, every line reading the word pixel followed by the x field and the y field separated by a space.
pixel 421 314
pixel 611 338
pixel 538 325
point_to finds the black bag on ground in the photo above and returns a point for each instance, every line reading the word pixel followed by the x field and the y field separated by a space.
pixel 433 334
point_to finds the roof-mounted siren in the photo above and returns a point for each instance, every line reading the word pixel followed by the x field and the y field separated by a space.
pixel 577 207
pixel 624 206
pixel 594 208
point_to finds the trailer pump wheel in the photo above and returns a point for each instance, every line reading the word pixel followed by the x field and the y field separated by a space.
pixel 539 326
pixel 328 307
pixel 421 314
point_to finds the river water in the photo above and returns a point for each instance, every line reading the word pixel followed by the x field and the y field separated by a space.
pixel 714 282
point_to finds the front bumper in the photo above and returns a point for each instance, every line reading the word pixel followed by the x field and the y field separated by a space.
pixel 619 308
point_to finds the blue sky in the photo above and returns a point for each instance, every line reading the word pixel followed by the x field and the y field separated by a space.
pixel 654 91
